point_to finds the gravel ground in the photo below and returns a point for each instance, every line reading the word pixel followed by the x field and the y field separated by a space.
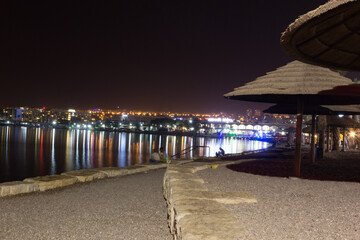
pixel 130 207
pixel 291 208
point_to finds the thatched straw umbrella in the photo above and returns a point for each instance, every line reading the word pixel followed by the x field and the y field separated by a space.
pixel 287 83
pixel 343 109
pixel 291 109
pixel 340 122
pixel 343 122
pixel 327 36
pixel 295 83
pixel 314 110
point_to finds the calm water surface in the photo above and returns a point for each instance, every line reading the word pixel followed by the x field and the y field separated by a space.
pixel 28 152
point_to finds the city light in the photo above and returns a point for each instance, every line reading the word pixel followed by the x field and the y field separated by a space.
pixel 220 120
pixel 215 124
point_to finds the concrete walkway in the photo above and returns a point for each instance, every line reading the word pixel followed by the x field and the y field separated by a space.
pixel 128 207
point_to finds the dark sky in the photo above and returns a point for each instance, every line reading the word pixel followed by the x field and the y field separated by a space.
pixel 144 55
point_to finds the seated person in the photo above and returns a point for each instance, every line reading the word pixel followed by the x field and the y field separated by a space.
pixel 220 153
pixel 163 156
pixel 155 157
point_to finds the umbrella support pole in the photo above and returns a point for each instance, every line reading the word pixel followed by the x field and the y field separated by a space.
pixel 313 130
pixel 300 108
pixel 344 135
pixel 328 139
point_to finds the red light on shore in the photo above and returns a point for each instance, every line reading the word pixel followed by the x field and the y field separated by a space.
pixel 44 108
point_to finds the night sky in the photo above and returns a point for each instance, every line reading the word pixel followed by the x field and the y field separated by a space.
pixel 179 56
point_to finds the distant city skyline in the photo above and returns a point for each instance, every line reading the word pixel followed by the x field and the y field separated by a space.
pixel 246 112
pixel 121 120
pixel 149 55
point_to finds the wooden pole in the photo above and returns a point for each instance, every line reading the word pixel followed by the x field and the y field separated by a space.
pixel 313 131
pixel 343 146
pixel 328 139
pixel 336 138
pixel 300 107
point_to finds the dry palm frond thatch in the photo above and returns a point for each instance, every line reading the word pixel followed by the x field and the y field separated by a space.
pixel 327 36
pixel 286 83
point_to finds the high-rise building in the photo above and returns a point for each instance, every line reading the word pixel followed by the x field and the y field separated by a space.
pixel 249 112
pixel 257 113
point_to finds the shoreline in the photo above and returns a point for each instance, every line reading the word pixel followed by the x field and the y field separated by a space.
pixel 49 182
pixel 282 207
pixel 159 132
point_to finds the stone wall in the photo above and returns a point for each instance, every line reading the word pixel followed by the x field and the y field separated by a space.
pixel 44 183
pixel 194 212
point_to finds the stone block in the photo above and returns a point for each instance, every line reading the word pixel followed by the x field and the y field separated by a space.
pixel 221 197
pixel 168 181
pixel 182 176
pixel 135 169
pixel 180 169
pixel 234 197
pixel 17 187
pixel 183 208
pixel 52 181
pixel 173 176
pixel 150 166
pixel 188 185
pixel 86 175
pixel 209 227
pixel 182 185
pixel 114 171
pixel 196 166
pixel 189 180
pixel 196 213
pixel 181 161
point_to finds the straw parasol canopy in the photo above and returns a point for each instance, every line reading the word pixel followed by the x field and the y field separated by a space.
pixel 336 121
pixel 352 91
pixel 291 109
pixel 345 110
pixel 286 83
pixel 315 109
pixel 342 122
pixel 327 36
pixel 295 83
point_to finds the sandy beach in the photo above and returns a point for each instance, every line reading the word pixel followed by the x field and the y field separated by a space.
pixel 293 208
pixel 129 207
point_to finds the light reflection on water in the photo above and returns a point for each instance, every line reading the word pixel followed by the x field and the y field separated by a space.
pixel 28 152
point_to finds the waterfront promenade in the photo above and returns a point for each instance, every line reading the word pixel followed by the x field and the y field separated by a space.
pixel 207 197
pixel 128 207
